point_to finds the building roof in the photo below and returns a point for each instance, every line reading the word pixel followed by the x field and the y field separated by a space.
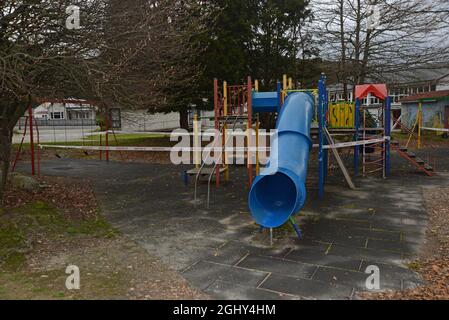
pixel 423 74
pixel 426 73
pixel 433 95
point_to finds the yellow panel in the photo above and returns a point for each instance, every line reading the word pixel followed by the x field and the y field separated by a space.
pixel 341 115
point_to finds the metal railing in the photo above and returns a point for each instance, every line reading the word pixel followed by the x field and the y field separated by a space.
pixel 214 168
pixel 60 123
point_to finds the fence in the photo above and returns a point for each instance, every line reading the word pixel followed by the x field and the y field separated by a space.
pixel 60 123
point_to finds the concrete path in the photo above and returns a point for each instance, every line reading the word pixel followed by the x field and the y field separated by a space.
pixel 223 252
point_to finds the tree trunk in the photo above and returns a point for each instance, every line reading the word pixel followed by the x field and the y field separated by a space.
pixel 343 51
pixel 184 119
pixel 365 61
pixel 5 156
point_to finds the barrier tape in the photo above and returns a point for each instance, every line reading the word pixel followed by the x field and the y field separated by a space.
pixel 208 149
pixel 209 133
pixel 435 129
pixel 356 143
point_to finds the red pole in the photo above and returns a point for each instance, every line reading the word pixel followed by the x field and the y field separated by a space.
pixel 30 114
pixel 250 126
pixel 217 128
pixel 21 145
pixel 38 149
pixel 101 144
pixel 107 135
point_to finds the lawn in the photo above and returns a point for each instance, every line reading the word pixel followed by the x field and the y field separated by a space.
pixel 138 140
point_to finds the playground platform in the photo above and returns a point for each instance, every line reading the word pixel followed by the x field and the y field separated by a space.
pixel 223 252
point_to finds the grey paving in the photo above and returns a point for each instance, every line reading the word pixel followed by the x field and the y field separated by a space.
pixel 223 252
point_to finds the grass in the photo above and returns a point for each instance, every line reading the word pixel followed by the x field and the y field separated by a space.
pixel 20 226
pixel 119 139
pixel 21 229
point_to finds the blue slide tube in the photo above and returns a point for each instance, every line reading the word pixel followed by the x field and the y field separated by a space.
pixel 280 191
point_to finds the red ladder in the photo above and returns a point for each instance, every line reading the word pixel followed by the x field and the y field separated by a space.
pixel 420 164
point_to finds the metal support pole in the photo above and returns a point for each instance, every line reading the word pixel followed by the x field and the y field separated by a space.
pixel 326 140
pixel 217 126
pixel 196 141
pixel 107 134
pixel 296 228
pixel 279 90
pixel 356 136
pixel 257 145
pixel 388 135
pixel 420 124
pixel 38 148
pixel 250 127
pixel 284 87
pixel 30 115
pixel 225 128
pixel 321 120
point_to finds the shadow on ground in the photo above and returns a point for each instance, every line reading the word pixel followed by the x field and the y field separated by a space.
pixel 223 252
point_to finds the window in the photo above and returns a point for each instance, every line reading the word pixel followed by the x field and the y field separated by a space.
pixel 57 115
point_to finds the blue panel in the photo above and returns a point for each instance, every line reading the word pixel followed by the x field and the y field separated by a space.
pixel 265 101
pixel 280 192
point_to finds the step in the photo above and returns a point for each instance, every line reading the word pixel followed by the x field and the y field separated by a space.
pixel 205 171
pixel 411 155
pixel 420 161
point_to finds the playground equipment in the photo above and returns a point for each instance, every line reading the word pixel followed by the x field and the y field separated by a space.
pixel 31 129
pixel 280 191
pixel 416 133
pixel 233 108
pixel 375 125
pixel 31 125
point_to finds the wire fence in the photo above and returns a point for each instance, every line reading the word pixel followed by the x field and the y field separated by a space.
pixel 60 123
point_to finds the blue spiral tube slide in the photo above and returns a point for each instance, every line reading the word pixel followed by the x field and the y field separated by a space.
pixel 280 191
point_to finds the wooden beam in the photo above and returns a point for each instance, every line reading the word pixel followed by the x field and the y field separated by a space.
pixel 339 161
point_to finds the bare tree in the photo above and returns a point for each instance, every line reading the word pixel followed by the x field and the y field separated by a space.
pixel 127 53
pixel 409 33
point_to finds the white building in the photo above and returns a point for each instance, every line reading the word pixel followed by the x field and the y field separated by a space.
pixel 65 111
pixel 143 121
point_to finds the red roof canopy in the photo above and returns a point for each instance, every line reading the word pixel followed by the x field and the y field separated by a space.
pixel 378 90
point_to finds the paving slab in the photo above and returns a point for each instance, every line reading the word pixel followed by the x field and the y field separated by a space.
pixel 221 250
pixel 207 273
pixel 321 259
pixel 280 266
pixel 228 291
pixel 307 289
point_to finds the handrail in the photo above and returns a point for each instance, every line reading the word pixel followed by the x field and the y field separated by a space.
pixel 198 175
pixel 217 162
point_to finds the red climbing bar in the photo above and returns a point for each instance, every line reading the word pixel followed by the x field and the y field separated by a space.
pixel 217 126
pixel 30 114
